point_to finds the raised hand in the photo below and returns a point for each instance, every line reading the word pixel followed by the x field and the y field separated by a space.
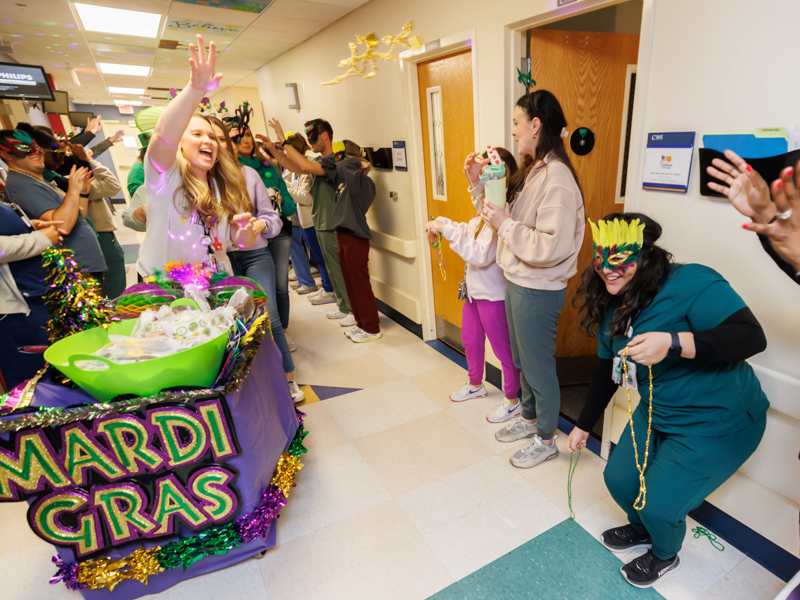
pixel 784 231
pixel 203 73
pixel 276 127
pixel 744 187
pixel 79 152
pixel 94 124
pixel 78 178
pixel 472 169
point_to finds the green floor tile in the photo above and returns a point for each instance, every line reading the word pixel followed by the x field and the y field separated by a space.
pixel 564 562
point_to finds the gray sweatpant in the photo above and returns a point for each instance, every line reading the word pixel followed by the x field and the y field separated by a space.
pixel 532 323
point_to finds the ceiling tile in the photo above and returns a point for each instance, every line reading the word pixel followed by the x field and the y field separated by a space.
pixel 150 6
pixel 211 14
pixel 38 12
pixel 268 20
pixel 269 35
pixel 351 4
pixel 298 9
pixel 106 52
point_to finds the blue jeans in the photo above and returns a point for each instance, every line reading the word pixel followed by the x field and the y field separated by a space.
pixel 280 247
pixel 258 266
pixel 310 236
pixel 299 259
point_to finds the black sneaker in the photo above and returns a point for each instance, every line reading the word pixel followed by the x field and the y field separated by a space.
pixel 624 539
pixel 644 571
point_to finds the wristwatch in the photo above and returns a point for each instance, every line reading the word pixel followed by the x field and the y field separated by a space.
pixel 675 348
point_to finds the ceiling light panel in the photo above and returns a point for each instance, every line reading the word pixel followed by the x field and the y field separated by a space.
pixel 125 90
pixel 128 102
pixel 115 20
pixel 120 69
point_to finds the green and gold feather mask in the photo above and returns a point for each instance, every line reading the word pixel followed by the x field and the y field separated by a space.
pixel 617 244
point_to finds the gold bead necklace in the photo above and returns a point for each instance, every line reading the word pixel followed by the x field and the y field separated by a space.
pixel 639 503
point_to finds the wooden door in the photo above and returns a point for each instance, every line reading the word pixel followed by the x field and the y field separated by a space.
pixel 587 73
pixel 445 91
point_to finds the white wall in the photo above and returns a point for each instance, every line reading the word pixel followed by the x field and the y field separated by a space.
pixel 722 65
pixel 714 65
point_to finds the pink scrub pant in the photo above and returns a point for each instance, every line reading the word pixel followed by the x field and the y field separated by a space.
pixel 482 318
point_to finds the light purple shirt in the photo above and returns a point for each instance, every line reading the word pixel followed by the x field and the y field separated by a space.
pixel 262 208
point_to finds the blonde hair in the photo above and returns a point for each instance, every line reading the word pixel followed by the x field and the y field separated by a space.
pixel 228 177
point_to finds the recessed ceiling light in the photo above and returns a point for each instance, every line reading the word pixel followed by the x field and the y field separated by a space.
pixel 117 20
pixel 115 69
pixel 128 102
pixel 124 90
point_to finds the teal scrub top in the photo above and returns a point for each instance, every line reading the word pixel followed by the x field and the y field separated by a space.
pixel 691 396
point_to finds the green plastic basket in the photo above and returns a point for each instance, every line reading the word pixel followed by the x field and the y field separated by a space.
pixel 193 367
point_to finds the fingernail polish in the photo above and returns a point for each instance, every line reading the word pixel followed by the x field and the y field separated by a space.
pixel 745 226
pixel 779 185
pixel 749 169
pixel 790 171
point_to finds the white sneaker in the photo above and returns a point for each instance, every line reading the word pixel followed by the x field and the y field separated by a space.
pixel 305 289
pixel 315 294
pixel 467 392
pixel 323 298
pixel 294 284
pixel 360 338
pixel 298 395
pixel 504 411
pixel 352 331
pixel 534 453
pixel 292 275
pixel 348 321
pixel 290 343
pixel 337 314
pixel 314 270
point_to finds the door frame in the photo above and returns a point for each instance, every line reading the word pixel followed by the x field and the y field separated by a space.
pixel 440 48
pixel 515 51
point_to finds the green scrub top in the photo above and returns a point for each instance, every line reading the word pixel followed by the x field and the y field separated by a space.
pixel 691 396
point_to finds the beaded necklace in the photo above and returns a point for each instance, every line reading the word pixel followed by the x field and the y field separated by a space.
pixel 52 188
pixel 435 240
pixel 638 504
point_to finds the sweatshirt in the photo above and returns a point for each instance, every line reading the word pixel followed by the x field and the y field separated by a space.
pixel 485 280
pixel 538 244
pixel 355 194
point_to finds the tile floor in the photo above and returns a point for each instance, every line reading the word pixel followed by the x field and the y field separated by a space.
pixel 402 494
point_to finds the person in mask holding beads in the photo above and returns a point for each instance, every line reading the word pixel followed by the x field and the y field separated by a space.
pixel 197 202
pixel 681 335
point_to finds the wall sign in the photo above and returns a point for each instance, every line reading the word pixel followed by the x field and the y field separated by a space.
pixel 581 141
pixel 668 161
pixel 102 483
pixel 399 156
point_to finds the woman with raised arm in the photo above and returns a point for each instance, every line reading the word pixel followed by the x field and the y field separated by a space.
pixel 197 202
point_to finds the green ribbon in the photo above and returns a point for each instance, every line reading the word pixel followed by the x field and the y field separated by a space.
pixel 702 531
pixel 569 481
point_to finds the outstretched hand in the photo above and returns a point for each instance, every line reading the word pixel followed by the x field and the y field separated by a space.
pixel 94 124
pixel 784 231
pixel 203 74
pixel 744 187
pixel 278 129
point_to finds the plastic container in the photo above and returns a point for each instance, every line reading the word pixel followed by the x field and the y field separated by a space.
pixel 495 192
pixel 195 367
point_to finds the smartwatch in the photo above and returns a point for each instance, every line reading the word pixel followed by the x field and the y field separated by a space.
pixel 675 348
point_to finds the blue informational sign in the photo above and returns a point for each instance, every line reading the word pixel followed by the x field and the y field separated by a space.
pixel 668 161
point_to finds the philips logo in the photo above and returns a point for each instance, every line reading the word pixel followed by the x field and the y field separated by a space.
pixel 19 76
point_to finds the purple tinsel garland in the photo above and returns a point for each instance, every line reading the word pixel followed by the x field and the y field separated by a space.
pixel 68 573
pixel 256 524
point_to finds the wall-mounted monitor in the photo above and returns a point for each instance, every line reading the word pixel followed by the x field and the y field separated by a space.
pixel 80 119
pixel 59 106
pixel 24 82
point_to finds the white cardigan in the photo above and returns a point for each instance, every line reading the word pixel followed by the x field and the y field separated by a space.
pixel 14 248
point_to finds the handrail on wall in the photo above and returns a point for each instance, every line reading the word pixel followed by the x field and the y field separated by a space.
pixel 396 245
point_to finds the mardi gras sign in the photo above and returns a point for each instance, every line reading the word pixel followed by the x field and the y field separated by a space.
pixel 125 476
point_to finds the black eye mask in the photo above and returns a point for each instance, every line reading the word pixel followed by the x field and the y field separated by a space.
pixel 312 133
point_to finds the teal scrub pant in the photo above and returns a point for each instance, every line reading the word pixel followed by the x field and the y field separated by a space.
pixel 682 470
pixel 532 323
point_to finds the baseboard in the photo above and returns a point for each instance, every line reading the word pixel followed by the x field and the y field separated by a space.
pixel 400 318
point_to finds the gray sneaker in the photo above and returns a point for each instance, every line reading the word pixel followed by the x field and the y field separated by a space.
pixel 517 429
pixel 534 453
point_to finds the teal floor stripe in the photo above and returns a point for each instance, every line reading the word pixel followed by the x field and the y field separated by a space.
pixel 564 562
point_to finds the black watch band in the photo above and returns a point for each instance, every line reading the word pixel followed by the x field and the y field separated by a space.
pixel 675 349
